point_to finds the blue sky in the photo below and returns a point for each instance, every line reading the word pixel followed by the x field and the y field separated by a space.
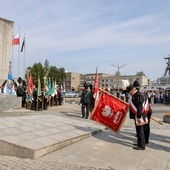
pixel 81 35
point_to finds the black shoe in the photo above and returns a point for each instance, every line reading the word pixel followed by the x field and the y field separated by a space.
pixel 135 144
pixel 82 116
pixel 138 148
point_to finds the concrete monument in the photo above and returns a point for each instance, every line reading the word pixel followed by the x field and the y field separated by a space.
pixel 6 35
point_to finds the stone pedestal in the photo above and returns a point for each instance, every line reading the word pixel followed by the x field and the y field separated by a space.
pixel 9 101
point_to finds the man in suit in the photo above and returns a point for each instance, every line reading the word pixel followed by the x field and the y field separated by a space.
pixel 86 101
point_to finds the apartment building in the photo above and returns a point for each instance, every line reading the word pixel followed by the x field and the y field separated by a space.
pixel 106 80
pixel 72 81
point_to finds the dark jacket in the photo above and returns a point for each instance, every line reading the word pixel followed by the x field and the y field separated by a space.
pixel 138 100
pixel 86 97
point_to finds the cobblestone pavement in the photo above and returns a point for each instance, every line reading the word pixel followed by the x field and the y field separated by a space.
pixel 84 155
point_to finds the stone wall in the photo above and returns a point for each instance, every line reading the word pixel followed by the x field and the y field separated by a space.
pixel 6 36
pixel 9 101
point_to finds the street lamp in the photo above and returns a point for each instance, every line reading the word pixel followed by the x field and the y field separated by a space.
pixel 118 73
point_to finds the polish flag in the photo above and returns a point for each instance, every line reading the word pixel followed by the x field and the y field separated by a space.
pixel 16 40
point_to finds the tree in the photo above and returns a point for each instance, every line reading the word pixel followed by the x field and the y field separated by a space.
pixel 140 73
pixel 117 73
pixel 53 73
pixel 46 67
pixel 38 70
pixel 62 75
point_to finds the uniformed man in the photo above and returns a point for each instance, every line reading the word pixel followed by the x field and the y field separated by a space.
pixel 21 91
pixel 137 111
pixel 86 101
pixel 148 111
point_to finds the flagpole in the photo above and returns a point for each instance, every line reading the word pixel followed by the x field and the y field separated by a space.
pixel 24 51
pixel 12 55
pixel 19 52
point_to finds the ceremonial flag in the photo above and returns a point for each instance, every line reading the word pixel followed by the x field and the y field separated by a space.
pixel 23 45
pixel 30 85
pixel 46 89
pixel 39 87
pixel 15 40
pixel 9 87
pixel 49 85
pixel 10 72
pixel 53 89
pixel 110 111
pixel 96 87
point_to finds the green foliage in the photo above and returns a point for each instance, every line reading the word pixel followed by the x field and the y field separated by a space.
pixel 140 73
pixel 46 67
pixel 53 72
pixel 37 70
pixel 117 73
pixel 62 75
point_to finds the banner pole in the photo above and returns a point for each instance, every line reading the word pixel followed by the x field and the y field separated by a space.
pixel 24 52
pixel 156 121
pixel 19 52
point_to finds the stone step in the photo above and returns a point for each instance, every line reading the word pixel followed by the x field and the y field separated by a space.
pixel 37 135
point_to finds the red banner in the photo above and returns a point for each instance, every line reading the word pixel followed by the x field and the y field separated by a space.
pixel 110 111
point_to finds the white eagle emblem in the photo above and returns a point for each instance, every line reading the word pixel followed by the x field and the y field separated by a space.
pixel 107 111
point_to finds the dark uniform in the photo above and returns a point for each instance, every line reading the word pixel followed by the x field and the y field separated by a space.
pixel 21 92
pixel 86 102
pixel 137 112
pixel 92 98
pixel 138 100
pixel 148 112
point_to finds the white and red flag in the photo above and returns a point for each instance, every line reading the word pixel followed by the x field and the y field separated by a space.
pixel 110 111
pixel 16 40
pixel 96 87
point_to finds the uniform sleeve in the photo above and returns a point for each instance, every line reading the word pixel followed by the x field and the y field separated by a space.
pixel 139 103
pixel 82 97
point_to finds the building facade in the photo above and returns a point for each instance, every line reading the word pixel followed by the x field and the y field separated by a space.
pixel 72 81
pixel 6 34
pixel 106 80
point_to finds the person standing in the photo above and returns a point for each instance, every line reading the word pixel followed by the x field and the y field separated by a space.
pixel 148 111
pixel 137 110
pixel 86 102
pixel 21 91
pixel 92 98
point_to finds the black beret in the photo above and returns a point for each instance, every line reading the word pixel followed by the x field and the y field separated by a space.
pixel 130 87
pixel 136 83
pixel 19 80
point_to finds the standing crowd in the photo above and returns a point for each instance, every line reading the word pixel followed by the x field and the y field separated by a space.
pixel 33 100
pixel 139 110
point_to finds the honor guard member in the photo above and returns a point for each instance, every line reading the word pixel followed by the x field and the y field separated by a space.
pixel 86 101
pixel 148 111
pixel 21 91
pixel 92 98
pixel 137 111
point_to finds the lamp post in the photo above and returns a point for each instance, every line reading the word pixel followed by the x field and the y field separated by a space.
pixel 118 73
